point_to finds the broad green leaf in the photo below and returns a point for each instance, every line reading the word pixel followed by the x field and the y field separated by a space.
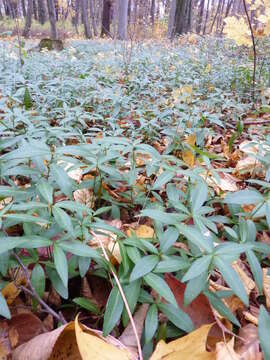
pixel 195 287
pixel 4 310
pixel 168 238
pixel 163 217
pixel 161 287
pixel 144 266
pixel 177 316
pixel 38 279
pixel 255 269
pixel 171 264
pixel 46 191
pixel 26 218
pixel 196 237
pixel 60 262
pixel 221 308
pixel 198 266
pixel 80 249
pixel 28 242
pixel 113 311
pixel 246 197
pixel 199 195
pixel 264 331
pixel 232 279
pixel 163 179
pixel 62 179
pixel 132 292
pixel 84 264
pixel 87 304
pixel 57 282
pixel 151 323
pixel 63 220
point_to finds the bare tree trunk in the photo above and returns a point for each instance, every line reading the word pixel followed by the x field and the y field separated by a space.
pixel 42 16
pixel 106 18
pixel 85 19
pixel 182 18
pixel 23 8
pixel 171 19
pixel 215 17
pixel 52 18
pixel 200 17
pixel 206 17
pixel 35 10
pixel 28 19
pixel 92 15
pixel 122 19
pixel 152 12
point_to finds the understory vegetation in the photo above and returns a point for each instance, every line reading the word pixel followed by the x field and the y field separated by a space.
pixel 136 162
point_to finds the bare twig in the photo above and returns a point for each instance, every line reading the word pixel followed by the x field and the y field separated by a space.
pixel 254 50
pixel 125 302
pixel 31 291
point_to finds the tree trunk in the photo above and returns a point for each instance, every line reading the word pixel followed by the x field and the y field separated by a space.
pixel 182 18
pixel 152 12
pixel 171 19
pixel 200 17
pixel 42 16
pixel 122 19
pixel 106 18
pixel 85 19
pixel 35 10
pixel 52 18
pixel 206 17
pixel 23 8
pixel 92 15
pixel 28 19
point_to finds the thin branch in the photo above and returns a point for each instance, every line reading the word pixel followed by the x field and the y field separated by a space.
pixel 125 302
pixel 34 294
pixel 254 50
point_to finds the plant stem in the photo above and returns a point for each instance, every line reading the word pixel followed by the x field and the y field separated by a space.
pixel 254 50
pixel 31 291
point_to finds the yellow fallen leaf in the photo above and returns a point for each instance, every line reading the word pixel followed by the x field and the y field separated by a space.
pixel 10 292
pixel 189 347
pixel 93 347
pixel 144 231
pixel 188 155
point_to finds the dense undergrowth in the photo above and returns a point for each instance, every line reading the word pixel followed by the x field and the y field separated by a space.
pixel 105 137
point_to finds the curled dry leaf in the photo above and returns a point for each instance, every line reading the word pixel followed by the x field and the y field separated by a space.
pixel 225 351
pixel 84 196
pixel 10 292
pixel 249 347
pixel 188 155
pixel 127 338
pixel 72 341
pixel 189 347
pixel 266 286
pixel 108 240
pixel 227 182
pixel 248 283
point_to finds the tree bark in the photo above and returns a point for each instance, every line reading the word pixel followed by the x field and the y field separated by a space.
pixel 35 10
pixel 152 12
pixel 122 19
pixel 28 19
pixel 182 18
pixel 42 16
pixel 85 19
pixel 171 19
pixel 52 18
pixel 23 8
pixel 92 15
pixel 200 17
pixel 106 18
pixel 206 17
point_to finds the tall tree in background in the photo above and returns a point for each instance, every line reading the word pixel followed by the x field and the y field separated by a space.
pixel 52 18
pixel 200 17
pixel 85 19
pixel 182 17
pixel 92 16
pixel 42 15
pixel 122 19
pixel 106 18
pixel 28 19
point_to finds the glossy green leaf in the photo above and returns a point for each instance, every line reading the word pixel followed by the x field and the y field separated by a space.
pixel 113 311
pixel 162 288
pixel 144 266
pixel 151 323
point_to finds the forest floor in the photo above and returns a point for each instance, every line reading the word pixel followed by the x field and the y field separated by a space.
pixel 135 179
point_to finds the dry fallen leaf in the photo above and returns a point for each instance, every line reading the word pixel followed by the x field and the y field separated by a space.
pixel 188 155
pixel 72 341
pixel 225 351
pixel 84 196
pixel 249 347
pixel 10 292
pixel 189 347
pixel 248 283
pixel 127 338
pixel 266 286
pixel 142 231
